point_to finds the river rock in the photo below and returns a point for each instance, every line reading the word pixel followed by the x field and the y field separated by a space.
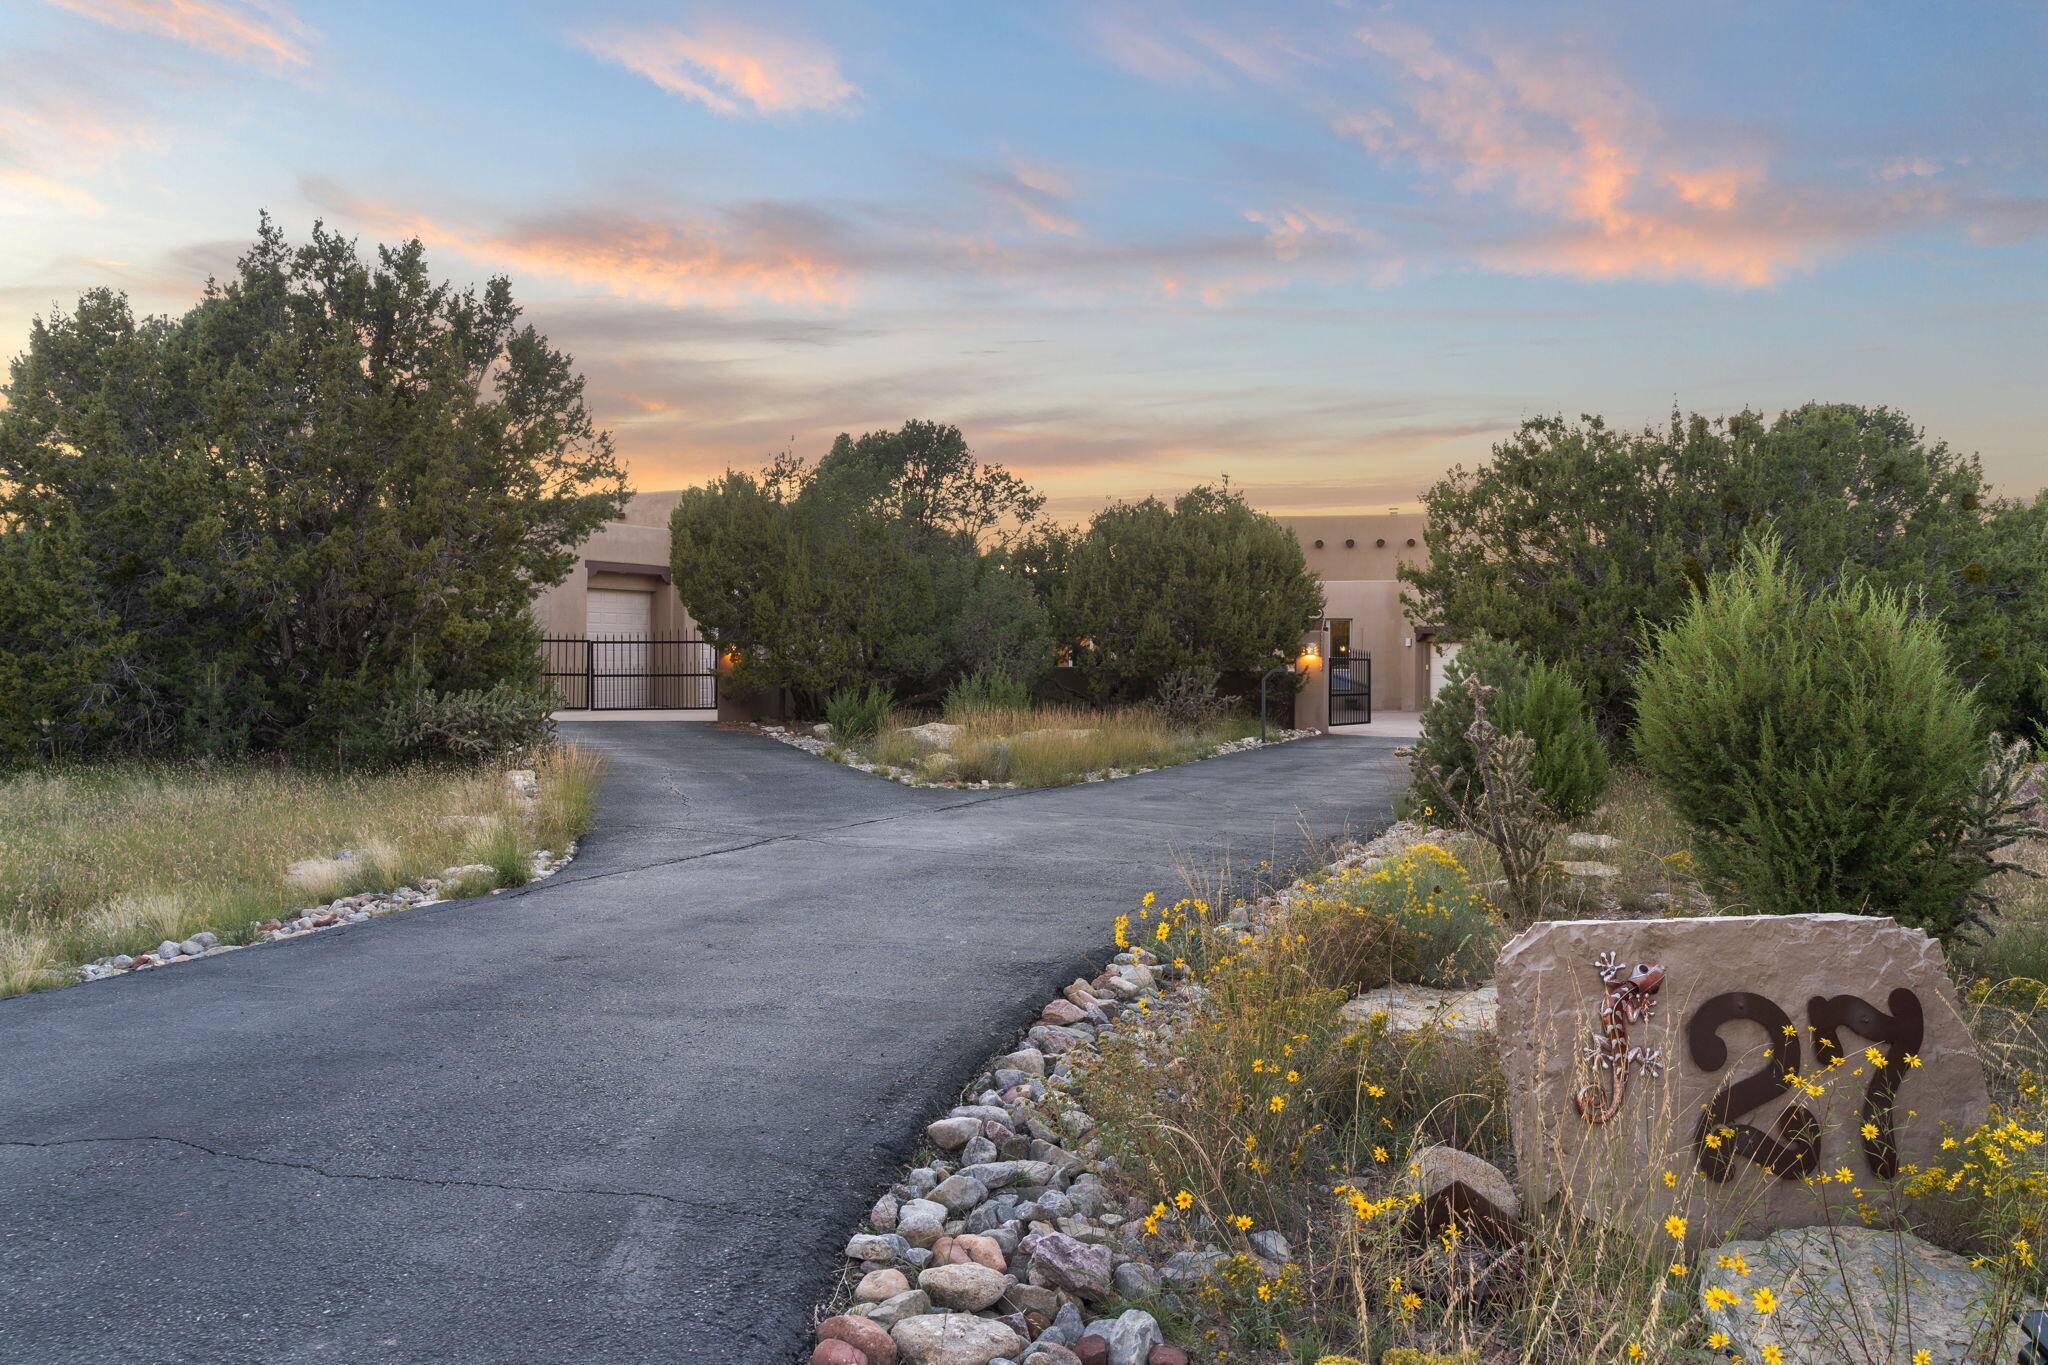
pixel 878 1285
pixel 921 1222
pixel 1130 1336
pixel 1755 998
pixel 876 1246
pixel 959 1193
pixel 894 1309
pixel 963 1288
pixel 1851 1292
pixel 951 1134
pixel 833 1351
pixel 954 1339
pixel 1059 1261
pixel 870 1339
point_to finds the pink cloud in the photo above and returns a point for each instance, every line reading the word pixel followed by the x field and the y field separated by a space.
pixel 1035 193
pixel 256 31
pixel 1602 189
pixel 731 69
pixel 755 253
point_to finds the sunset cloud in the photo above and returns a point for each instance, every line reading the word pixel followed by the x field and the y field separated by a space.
pixel 1033 193
pixel 1601 189
pixel 761 252
pixel 56 130
pixel 731 69
pixel 256 31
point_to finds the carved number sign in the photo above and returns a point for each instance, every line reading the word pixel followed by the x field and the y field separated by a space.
pixel 1791 1147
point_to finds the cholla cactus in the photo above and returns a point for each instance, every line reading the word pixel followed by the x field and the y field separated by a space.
pixel 2003 808
pixel 1507 808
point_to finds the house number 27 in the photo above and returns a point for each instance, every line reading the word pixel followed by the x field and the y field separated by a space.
pixel 1790 1147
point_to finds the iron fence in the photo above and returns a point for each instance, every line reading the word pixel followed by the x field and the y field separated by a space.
pixel 631 673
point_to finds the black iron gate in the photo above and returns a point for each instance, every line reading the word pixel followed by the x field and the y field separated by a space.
pixel 1351 690
pixel 632 673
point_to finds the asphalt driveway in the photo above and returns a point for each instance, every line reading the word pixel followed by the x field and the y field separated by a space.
pixel 627 1114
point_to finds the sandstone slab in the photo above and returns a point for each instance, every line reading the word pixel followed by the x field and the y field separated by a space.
pixel 1636 1047
pixel 1466 1015
pixel 1854 1293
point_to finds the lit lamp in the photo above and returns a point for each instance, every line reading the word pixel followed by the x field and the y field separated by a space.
pixel 1309 654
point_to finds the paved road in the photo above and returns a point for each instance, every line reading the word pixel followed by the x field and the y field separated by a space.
pixel 627 1114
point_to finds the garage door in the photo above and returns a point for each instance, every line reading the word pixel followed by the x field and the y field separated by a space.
pixel 621 623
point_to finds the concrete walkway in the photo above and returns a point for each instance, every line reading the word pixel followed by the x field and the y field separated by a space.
pixel 627 1114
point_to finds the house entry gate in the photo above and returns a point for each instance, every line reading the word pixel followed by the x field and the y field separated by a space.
pixel 1351 689
pixel 631 673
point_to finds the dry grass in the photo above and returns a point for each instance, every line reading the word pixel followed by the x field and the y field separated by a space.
pixel 115 858
pixel 1049 746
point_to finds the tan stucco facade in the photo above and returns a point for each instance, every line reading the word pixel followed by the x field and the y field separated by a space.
pixel 630 554
pixel 1358 557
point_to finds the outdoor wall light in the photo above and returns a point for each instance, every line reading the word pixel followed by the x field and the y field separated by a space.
pixel 1309 654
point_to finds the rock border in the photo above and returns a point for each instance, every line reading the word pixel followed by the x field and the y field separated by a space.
pixel 1005 1245
pixel 355 909
pixel 818 746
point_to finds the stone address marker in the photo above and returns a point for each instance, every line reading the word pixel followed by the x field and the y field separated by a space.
pixel 1635 1047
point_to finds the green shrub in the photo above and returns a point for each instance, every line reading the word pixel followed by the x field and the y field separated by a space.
pixel 471 726
pixel 1817 745
pixel 983 691
pixel 1415 918
pixel 1444 745
pixel 856 714
pixel 1569 764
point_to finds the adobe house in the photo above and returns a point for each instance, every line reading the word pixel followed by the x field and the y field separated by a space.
pixel 1358 556
pixel 620 639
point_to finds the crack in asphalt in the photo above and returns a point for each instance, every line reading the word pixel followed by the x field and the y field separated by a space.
pixel 795 836
pixel 323 1171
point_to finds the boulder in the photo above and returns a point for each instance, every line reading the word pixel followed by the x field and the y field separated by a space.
pixel 936 733
pixel 1737 1002
pixel 963 1288
pixel 835 1352
pixel 1450 1186
pixel 870 1339
pixel 1466 1015
pixel 1591 841
pixel 1163 1354
pixel 1850 1292
pixel 954 1339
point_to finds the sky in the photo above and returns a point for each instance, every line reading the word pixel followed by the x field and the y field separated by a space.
pixel 1325 249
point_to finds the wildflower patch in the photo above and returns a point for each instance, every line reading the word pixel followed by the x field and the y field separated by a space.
pixel 1755 1056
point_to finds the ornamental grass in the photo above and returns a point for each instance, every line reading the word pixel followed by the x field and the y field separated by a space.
pixel 116 857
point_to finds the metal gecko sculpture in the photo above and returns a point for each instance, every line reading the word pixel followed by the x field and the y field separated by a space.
pixel 1631 997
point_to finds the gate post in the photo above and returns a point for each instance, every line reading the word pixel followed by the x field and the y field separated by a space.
pixel 1312 702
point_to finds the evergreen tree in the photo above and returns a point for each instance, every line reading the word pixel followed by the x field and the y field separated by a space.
pixel 328 469
pixel 1203 583
pixel 1576 537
